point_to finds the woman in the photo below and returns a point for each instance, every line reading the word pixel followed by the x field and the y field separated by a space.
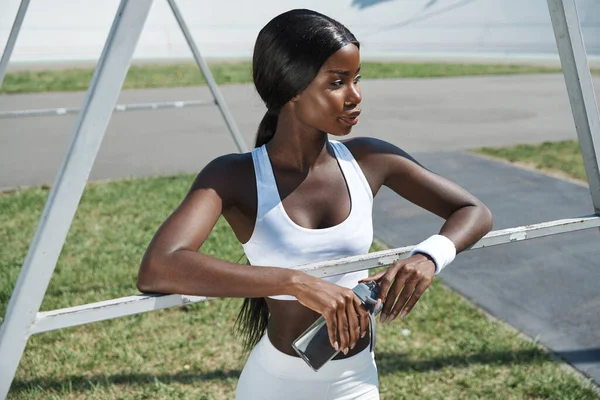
pixel 300 198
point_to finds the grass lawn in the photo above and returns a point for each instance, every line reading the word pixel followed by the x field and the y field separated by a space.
pixel 446 348
pixel 159 76
pixel 561 158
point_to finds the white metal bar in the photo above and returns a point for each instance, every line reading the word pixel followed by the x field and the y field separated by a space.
pixel 69 185
pixel 235 133
pixel 85 314
pixel 53 112
pixel 12 38
pixel 387 257
pixel 110 309
pixel 576 70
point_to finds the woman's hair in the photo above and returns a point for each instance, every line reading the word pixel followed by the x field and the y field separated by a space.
pixel 289 52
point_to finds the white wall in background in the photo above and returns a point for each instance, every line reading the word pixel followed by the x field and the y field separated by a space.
pixel 75 30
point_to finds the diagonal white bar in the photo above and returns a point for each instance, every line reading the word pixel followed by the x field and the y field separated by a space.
pixel 237 137
pixel 69 184
pixel 12 38
pixel 115 308
pixel 576 70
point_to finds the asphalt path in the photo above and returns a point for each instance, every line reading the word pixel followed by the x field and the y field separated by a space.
pixel 419 115
pixel 546 288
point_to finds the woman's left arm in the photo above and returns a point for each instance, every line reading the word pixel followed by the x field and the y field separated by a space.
pixel 467 221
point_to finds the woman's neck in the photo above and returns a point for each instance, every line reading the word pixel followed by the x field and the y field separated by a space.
pixel 296 148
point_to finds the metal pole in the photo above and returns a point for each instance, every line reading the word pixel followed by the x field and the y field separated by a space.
pixel 237 137
pixel 12 38
pixel 69 185
pixel 576 70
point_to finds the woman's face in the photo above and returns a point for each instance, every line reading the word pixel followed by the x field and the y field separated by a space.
pixel 331 102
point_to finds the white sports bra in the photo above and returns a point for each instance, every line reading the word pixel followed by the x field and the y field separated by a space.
pixel 277 241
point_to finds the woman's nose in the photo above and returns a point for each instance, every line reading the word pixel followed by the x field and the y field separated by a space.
pixel 354 95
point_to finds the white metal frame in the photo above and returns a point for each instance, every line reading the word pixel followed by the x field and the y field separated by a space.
pixel 212 85
pixel 576 70
pixel 12 38
pixel 23 317
pixel 115 308
pixel 69 184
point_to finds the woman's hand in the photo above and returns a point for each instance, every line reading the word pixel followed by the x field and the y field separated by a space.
pixel 402 284
pixel 347 319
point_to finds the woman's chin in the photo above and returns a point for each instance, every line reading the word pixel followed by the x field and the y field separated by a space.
pixel 341 132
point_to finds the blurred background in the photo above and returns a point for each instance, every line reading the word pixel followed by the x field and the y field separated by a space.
pixel 75 30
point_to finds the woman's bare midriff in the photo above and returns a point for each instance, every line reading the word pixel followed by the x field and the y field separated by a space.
pixel 289 319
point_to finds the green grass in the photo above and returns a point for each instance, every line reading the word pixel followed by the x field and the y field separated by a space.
pixel 161 76
pixel 449 350
pixel 563 157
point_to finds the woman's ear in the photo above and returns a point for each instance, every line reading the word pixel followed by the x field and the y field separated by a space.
pixel 296 97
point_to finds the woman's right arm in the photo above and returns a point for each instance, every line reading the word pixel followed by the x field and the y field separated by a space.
pixel 172 263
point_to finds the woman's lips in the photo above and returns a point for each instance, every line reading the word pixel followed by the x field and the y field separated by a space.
pixel 351 119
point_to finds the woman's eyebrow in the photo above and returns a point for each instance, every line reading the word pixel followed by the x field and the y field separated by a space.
pixel 344 72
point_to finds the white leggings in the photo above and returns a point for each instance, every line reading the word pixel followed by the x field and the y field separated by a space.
pixel 270 374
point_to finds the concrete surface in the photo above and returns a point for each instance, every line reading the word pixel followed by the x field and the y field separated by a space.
pixel 418 115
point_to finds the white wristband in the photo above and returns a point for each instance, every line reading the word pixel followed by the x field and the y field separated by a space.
pixel 438 247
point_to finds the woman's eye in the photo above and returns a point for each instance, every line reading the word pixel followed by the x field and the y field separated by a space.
pixel 337 83
pixel 357 79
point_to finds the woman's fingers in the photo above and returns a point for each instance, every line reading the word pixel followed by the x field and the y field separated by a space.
pixel 416 295
pixel 397 282
pixel 375 277
pixel 402 285
pixel 385 282
pixel 353 322
pixel 343 327
pixel 331 320
pixel 344 315
pixel 407 291
pixel 363 317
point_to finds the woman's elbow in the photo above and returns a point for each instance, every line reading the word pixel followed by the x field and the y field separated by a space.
pixel 144 285
pixel 486 219
pixel 148 279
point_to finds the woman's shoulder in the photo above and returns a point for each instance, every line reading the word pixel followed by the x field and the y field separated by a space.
pixel 228 165
pixel 368 148
pixel 378 159
pixel 229 175
pixel 230 162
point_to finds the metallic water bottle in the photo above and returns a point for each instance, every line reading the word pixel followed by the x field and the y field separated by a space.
pixel 313 344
